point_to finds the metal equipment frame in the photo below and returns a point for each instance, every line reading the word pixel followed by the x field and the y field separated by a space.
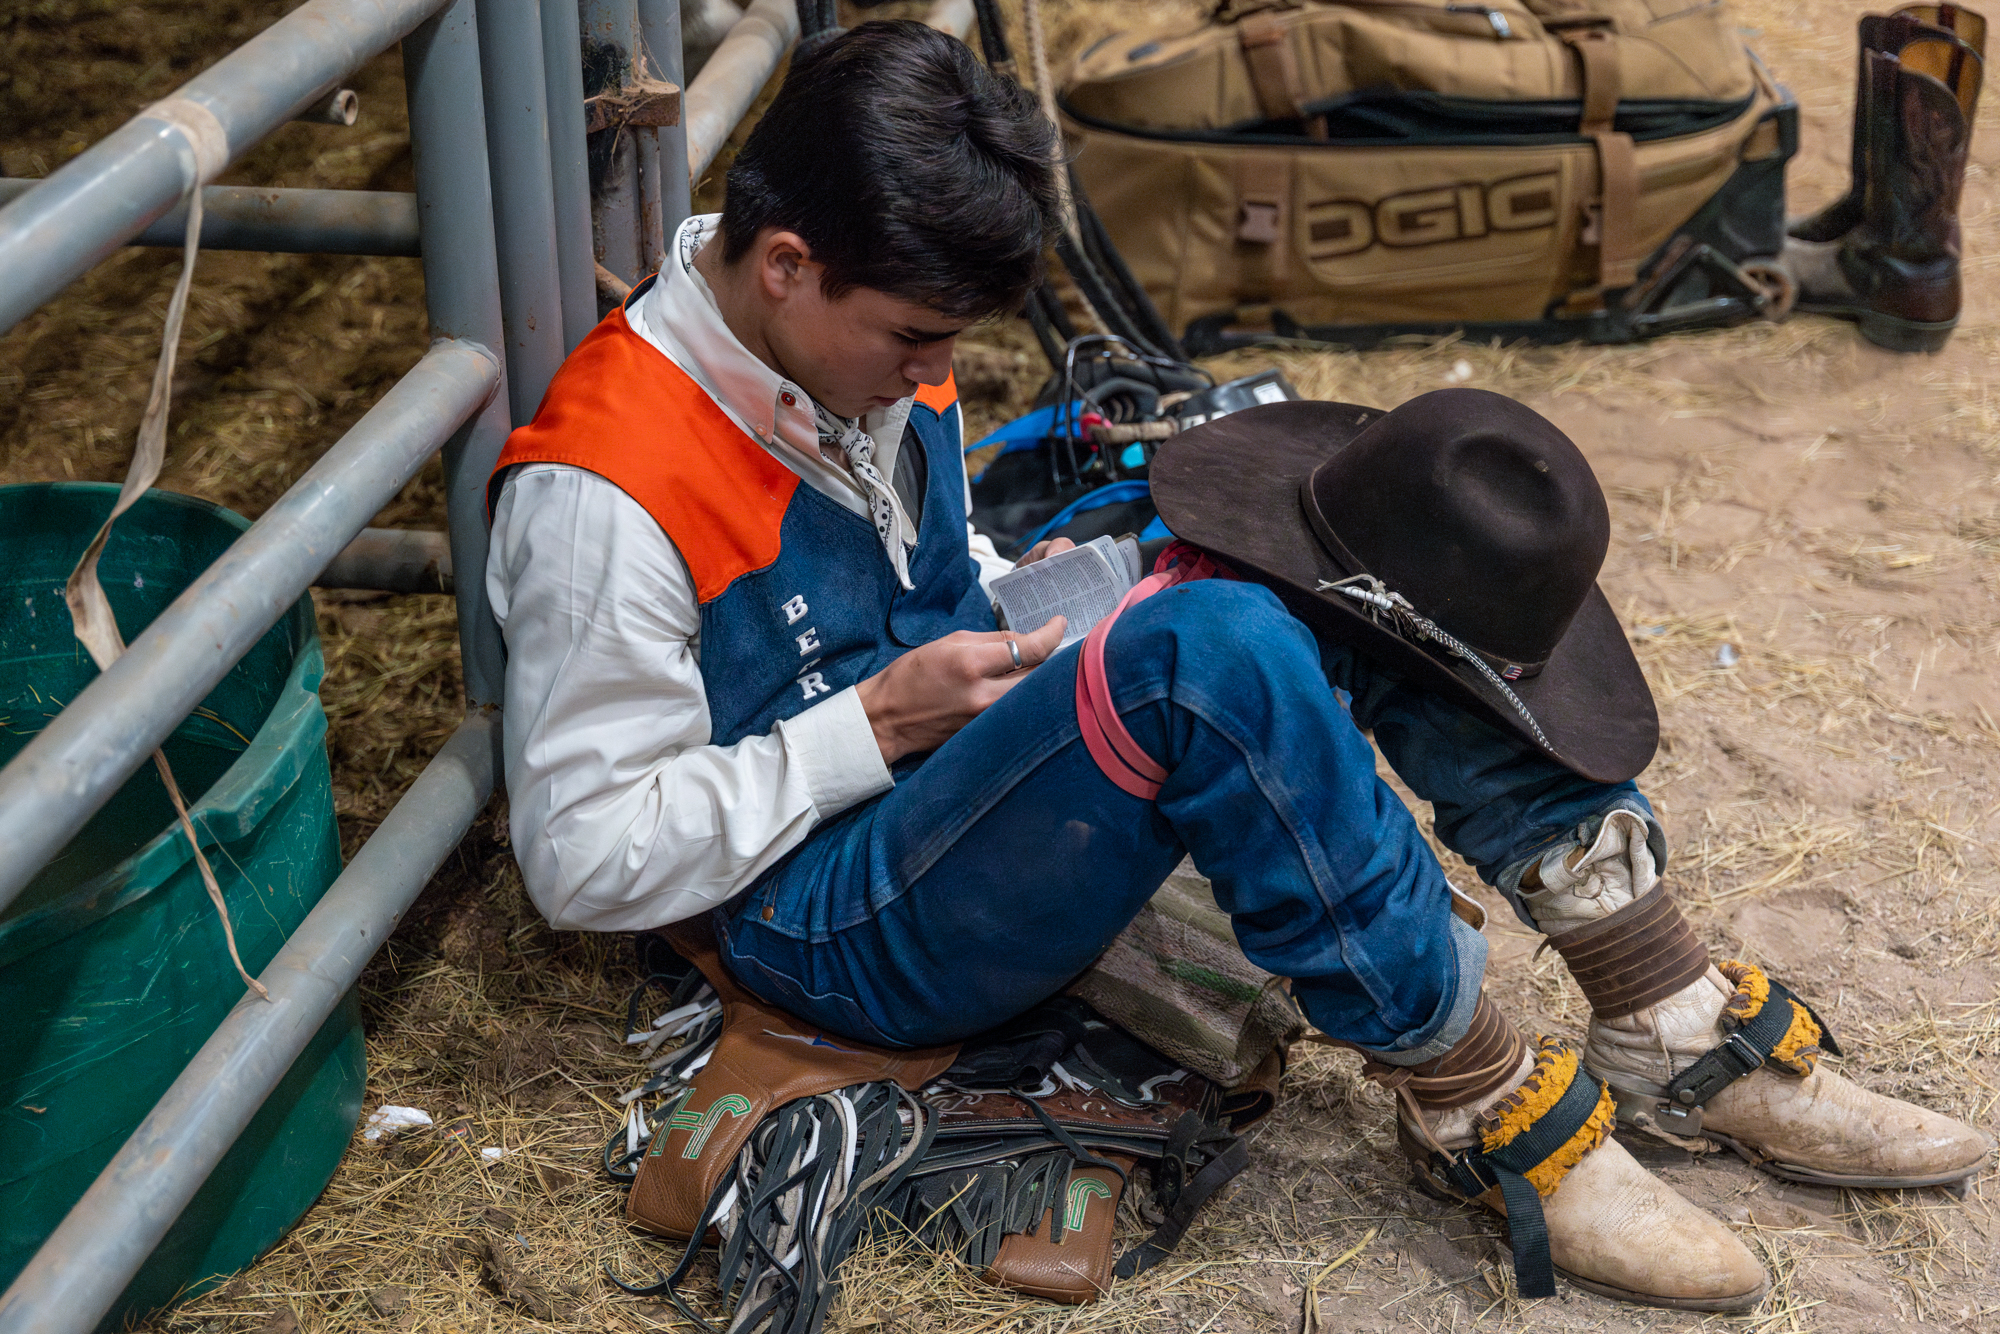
pixel 511 241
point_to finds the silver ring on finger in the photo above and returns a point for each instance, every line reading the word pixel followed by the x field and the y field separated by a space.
pixel 1014 648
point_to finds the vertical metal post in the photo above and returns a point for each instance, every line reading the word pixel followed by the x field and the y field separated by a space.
pixel 615 207
pixel 738 70
pixel 660 28
pixel 461 289
pixel 562 57
pixel 652 231
pixel 524 217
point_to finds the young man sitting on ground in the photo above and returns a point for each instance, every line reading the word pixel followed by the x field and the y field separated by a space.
pixel 754 673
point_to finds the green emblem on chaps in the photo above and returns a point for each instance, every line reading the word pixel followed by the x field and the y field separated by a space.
pixel 700 1125
pixel 1080 1191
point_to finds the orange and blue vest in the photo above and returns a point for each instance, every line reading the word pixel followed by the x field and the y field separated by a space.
pixel 798 599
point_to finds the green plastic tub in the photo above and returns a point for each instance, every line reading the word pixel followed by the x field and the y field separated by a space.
pixel 113 968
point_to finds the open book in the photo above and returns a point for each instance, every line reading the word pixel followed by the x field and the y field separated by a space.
pixel 1083 584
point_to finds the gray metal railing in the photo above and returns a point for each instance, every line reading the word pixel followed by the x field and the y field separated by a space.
pixel 502 218
pixel 733 77
pixel 107 194
pixel 456 397
pixel 241 217
pixel 392 560
pixel 85 754
pixel 103 1240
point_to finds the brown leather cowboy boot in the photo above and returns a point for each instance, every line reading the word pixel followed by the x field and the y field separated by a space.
pixel 1527 1135
pixel 1888 33
pixel 1692 1050
pixel 1897 272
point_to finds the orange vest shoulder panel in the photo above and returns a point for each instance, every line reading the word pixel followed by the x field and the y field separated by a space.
pixel 621 409
pixel 939 397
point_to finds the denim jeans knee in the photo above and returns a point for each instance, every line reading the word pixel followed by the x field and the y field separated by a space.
pixel 1227 629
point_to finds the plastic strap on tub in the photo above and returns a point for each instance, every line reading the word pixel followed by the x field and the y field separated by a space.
pixel 1123 760
pixel 204 153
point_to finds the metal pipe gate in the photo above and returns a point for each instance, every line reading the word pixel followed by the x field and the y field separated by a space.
pixel 503 219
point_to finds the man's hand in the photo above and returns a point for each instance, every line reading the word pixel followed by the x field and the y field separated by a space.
pixel 1042 549
pixel 918 701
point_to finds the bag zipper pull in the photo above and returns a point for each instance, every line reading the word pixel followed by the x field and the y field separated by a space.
pixel 1502 30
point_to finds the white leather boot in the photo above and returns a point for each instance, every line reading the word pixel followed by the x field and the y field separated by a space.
pixel 1659 1006
pixel 1612 1227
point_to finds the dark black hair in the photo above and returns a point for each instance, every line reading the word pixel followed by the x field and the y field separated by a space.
pixel 907 166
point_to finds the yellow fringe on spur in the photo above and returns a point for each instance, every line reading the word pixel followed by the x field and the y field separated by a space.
pixel 1556 1067
pixel 1798 1051
pixel 1752 990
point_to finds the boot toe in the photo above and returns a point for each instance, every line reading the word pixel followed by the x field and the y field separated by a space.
pixel 1616 1229
pixel 1828 1128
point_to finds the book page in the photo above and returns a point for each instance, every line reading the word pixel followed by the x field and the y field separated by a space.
pixel 1083 584
pixel 1128 547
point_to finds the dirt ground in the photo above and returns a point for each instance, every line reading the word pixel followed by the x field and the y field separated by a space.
pixel 1806 552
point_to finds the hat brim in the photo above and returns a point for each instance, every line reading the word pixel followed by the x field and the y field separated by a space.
pixel 1232 488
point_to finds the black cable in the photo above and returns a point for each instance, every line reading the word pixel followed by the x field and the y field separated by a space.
pixel 1045 333
pixel 1058 315
pixel 1097 292
pixel 1104 253
pixel 993 36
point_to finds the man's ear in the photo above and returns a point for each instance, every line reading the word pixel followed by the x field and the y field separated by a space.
pixel 784 264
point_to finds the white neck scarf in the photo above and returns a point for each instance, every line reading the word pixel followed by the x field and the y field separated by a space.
pixel 898 534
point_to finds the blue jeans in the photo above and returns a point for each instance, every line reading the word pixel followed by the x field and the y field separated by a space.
pixel 1006 862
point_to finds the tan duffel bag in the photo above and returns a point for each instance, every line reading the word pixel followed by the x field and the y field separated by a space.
pixel 1602 169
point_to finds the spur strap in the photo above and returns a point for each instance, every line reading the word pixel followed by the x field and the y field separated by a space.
pixel 1528 1161
pixel 1769 1025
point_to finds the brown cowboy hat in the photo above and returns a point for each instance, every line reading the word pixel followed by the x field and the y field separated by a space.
pixel 1455 540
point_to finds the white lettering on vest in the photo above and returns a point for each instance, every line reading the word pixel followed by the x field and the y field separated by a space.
pixel 808 641
pixel 814 683
pixel 794 609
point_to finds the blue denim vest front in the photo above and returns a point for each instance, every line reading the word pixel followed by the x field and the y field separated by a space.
pixel 828 612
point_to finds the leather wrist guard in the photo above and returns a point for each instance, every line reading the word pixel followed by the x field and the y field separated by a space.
pixel 1638 956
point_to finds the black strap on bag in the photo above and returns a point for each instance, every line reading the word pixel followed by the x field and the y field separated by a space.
pixel 1091 260
pixel 1136 305
pixel 993 38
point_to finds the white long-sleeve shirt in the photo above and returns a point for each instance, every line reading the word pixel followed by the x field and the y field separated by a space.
pixel 624 816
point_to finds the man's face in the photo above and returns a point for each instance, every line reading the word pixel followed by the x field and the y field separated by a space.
pixel 861 351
